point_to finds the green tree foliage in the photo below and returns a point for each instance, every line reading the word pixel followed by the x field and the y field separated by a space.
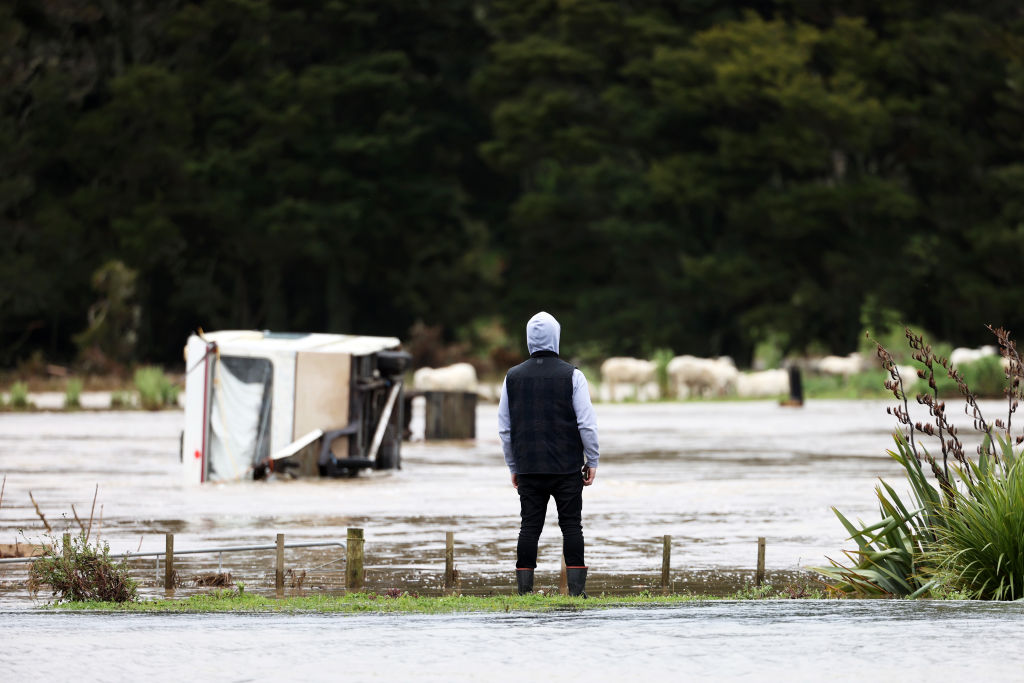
pixel 697 176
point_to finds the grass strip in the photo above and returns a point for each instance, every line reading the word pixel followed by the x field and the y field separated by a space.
pixel 233 601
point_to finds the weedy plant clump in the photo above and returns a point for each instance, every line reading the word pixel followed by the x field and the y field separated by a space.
pixel 79 571
pixel 19 396
pixel 962 530
pixel 120 399
pixel 73 394
pixel 156 390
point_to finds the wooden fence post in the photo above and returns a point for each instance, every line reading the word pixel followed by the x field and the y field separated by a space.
pixel 563 582
pixel 169 562
pixel 759 579
pixel 354 561
pixel 666 562
pixel 279 574
pixel 449 561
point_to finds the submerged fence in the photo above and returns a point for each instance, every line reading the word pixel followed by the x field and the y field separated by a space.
pixel 354 573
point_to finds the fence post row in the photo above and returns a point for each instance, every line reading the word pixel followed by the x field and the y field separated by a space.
pixel 355 576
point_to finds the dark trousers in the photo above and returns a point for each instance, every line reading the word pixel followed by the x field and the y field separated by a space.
pixel 534 491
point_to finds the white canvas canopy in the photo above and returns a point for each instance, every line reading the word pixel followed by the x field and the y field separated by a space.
pixel 249 394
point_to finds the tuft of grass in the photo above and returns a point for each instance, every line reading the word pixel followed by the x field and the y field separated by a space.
pixel 120 399
pixel 73 394
pixel 751 592
pixel 979 547
pixel 19 396
pixel 156 390
pixel 661 358
pixel 77 571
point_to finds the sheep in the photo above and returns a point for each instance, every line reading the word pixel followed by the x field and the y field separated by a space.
pixel 962 356
pixel 629 371
pixel 842 365
pixel 762 384
pixel 908 373
pixel 458 377
pixel 692 376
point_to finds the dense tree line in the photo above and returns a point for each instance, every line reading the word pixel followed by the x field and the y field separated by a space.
pixel 693 175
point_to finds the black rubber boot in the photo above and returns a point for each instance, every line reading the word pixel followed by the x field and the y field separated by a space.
pixel 524 578
pixel 576 577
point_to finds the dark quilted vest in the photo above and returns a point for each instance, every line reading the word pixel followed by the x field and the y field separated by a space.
pixel 545 437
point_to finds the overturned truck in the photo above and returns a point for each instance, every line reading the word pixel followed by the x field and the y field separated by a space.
pixel 303 404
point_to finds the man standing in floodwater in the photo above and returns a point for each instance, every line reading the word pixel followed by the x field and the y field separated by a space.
pixel 549 435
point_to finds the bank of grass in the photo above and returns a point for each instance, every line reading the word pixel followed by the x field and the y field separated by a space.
pixel 411 603
pixel 867 384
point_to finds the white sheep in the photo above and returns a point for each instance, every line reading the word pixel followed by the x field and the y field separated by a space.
pixel 693 376
pixel 763 384
pixel 457 377
pixel 842 365
pixel 962 356
pixel 631 372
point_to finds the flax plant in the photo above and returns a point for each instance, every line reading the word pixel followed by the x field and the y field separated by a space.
pixel 965 531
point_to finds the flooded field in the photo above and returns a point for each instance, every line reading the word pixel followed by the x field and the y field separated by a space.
pixel 713 475
pixel 793 640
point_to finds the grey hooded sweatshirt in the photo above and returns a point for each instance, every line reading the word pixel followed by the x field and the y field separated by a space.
pixel 542 334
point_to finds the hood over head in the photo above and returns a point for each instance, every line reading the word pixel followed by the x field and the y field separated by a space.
pixel 542 333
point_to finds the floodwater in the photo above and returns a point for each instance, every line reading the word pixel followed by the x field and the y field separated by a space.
pixel 794 640
pixel 715 476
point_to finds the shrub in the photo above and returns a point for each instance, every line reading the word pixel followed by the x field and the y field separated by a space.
pixel 73 393
pixel 156 390
pixel 19 395
pixel 965 533
pixel 662 357
pixel 77 571
pixel 979 548
pixel 890 554
pixel 985 377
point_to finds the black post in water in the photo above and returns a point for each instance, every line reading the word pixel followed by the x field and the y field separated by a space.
pixel 796 388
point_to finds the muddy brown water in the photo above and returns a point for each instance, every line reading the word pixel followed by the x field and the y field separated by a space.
pixel 715 476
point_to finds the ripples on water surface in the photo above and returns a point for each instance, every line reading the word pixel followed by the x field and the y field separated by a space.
pixel 713 475
pixel 776 640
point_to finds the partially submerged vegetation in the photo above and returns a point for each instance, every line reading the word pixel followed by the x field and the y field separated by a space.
pixel 156 389
pixel 151 389
pixel 73 394
pixel 19 396
pixel 963 532
pixel 76 571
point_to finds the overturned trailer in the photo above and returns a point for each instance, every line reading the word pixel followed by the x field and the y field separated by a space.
pixel 307 404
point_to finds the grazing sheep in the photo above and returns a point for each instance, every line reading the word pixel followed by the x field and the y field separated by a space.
pixel 692 376
pixel 962 356
pixel 631 372
pixel 842 365
pixel 763 384
pixel 908 373
pixel 458 377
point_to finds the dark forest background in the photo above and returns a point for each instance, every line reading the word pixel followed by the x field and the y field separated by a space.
pixel 695 175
